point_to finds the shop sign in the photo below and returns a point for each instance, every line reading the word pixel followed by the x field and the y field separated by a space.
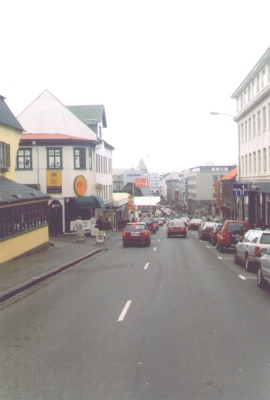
pixel 141 182
pixel 80 185
pixel 54 181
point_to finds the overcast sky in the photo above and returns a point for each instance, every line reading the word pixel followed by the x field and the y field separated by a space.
pixel 159 68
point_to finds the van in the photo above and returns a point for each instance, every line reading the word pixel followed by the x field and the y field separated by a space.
pixel 230 234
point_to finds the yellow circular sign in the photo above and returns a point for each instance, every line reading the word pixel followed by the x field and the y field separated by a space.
pixel 80 185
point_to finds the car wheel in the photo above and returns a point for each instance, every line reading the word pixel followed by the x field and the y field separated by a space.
pixel 235 257
pixel 220 248
pixel 247 264
pixel 261 282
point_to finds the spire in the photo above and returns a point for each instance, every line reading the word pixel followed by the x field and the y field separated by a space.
pixel 142 166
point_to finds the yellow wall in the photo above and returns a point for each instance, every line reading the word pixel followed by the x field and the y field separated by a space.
pixel 11 136
pixel 17 245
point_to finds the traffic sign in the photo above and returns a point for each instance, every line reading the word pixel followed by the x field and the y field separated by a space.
pixel 240 189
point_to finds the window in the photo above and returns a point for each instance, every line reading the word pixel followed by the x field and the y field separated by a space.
pixel 254 162
pixel 242 132
pixel 99 132
pixel 245 130
pixel 249 128
pixel 22 218
pixel 250 165
pixel 259 121
pixel 264 118
pixel 254 125
pixel 246 165
pixel 263 78
pixel 253 88
pixel 79 158
pixel 4 155
pixel 90 155
pixel 97 163
pixel 54 158
pixel 264 160
pixel 258 84
pixel 259 161
pixel 24 159
pixel 248 92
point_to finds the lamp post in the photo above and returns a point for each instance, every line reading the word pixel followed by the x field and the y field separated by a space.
pixel 239 160
pixel 34 143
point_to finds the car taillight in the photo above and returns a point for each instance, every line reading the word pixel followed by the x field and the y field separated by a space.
pixel 170 229
pixel 124 234
pixel 146 233
pixel 257 251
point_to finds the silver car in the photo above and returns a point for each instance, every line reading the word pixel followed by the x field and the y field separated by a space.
pixel 263 272
pixel 248 249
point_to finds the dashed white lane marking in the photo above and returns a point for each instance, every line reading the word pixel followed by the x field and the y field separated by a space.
pixel 242 277
pixel 146 266
pixel 123 313
pixel 155 249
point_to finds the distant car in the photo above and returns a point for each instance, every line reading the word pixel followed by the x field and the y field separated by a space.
pixel 162 221
pixel 230 234
pixel 186 221
pixel 263 272
pixel 205 229
pixel 156 221
pixel 136 233
pixel 248 249
pixel 176 227
pixel 195 224
pixel 214 232
pixel 152 225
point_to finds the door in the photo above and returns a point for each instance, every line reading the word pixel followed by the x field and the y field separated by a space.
pixel 55 218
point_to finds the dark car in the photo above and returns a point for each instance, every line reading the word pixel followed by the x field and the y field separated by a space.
pixel 136 233
pixel 195 224
pixel 176 227
pixel 230 234
pixel 156 221
pixel 205 229
pixel 152 225
pixel 213 234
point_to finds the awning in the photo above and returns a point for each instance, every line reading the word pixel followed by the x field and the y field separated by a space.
pixel 86 202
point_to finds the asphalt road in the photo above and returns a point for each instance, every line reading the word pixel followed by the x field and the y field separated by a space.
pixel 177 320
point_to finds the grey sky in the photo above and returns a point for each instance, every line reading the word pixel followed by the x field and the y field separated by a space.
pixel 159 68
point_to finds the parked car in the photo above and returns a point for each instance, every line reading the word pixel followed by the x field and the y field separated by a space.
pixel 195 224
pixel 248 249
pixel 152 225
pixel 136 233
pixel 214 232
pixel 176 227
pixel 230 234
pixel 162 221
pixel 263 272
pixel 186 221
pixel 156 221
pixel 205 229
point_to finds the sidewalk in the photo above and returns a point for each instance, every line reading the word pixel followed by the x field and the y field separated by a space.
pixel 23 273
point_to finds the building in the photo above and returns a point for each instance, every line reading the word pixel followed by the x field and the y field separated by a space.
pixel 200 184
pixel 228 204
pixel 23 211
pixel 253 118
pixel 65 155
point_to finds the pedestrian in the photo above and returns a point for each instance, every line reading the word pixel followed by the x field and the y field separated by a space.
pixel 78 225
pixel 107 228
pixel 100 223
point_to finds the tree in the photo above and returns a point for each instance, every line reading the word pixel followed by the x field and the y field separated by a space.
pixel 129 189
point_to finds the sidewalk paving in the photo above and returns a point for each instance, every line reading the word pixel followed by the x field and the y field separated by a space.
pixel 64 252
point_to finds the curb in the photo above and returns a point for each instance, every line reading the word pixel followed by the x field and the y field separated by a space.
pixel 33 282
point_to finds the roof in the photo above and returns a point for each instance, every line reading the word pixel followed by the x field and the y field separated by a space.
pixel 90 114
pixel 230 175
pixel 258 66
pixel 43 139
pixel 7 117
pixel 13 192
pixel 50 136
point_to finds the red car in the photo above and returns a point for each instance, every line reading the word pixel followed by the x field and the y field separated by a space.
pixel 230 234
pixel 176 227
pixel 136 233
pixel 213 234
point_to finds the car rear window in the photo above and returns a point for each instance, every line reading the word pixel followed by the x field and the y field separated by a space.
pixel 265 239
pixel 177 223
pixel 237 226
pixel 135 227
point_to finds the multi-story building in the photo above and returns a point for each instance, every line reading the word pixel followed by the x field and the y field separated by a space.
pixel 65 155
pixel 200 184
pixel 23 211
pixel 253 117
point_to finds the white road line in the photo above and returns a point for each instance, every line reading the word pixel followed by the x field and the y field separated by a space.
pixel 242 277
pixel 146 265
pixel 123 313
pixel 155 249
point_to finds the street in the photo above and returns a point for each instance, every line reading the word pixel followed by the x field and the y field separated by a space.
pixel 176 320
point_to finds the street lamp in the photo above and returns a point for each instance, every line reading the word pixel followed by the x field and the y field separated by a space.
pixel 239 160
